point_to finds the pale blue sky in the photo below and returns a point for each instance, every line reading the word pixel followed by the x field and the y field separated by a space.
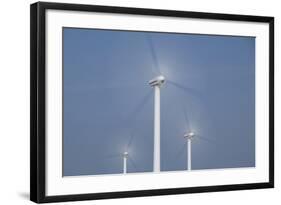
pixel 107 99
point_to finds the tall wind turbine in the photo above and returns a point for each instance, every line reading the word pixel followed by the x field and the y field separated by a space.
pixel 156 83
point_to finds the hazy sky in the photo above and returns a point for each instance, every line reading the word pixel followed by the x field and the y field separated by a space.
pixel 108 103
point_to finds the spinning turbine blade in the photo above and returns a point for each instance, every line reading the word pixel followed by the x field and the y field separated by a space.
pixel 187 90
pixel 154 56
pixel 139 106
pixel 133 162
pixel 179 153
pixel 130 142
pixel 186 118
pixel 206 140
pixel 132 117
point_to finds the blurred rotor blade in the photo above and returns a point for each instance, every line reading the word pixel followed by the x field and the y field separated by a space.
pixel 139 106
pixel 130 142
pixel 191 91
pixel 133 162
pixel 186 118
pixel 154 56
pixel 206 139
pixel 180 150
pixel 133 116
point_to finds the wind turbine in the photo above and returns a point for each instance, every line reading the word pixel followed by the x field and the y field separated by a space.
pixel 190 136
pixel 187 145
pixel 126 160
pixel 127 157
pixel 156 83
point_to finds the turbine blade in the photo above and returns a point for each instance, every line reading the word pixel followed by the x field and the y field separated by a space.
pixel 186 118
pixel 130 142
pixel 139 106
pixel 154 56
pixel 180 150
pixel 133 162
pixel 186 90
pixel 206 140
pixel 132 118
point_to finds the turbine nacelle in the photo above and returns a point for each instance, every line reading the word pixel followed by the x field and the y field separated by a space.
pixel 189 135
pixel 158 81
pixel 125 154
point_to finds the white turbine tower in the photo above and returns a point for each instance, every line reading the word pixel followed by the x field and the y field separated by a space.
pixel 125 157
pixel 156 83
pixel 189 136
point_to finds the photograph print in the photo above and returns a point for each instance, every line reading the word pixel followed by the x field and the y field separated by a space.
pixel 139 102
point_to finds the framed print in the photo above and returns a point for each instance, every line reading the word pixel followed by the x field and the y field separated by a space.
pixel 129 102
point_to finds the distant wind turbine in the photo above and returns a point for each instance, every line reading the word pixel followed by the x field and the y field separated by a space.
pixel 190 136
pixel 126 160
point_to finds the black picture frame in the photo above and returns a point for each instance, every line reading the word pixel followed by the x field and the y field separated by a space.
pixel 38 97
